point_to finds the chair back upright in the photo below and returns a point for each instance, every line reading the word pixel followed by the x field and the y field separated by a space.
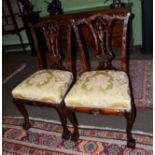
pixel 101 28
pixel 53 55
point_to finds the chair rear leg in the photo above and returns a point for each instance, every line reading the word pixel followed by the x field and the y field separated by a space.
pixel 130 117
pixel 63 118
pixel 22 109
pixel 72 117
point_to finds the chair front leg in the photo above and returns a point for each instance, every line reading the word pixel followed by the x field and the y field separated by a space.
pixel 130 117
pixel 22 109
pixel 72 117
pixel 63 118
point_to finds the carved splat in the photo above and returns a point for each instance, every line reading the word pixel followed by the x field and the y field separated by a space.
pixel 101 27
pixel 52 36
pixel 103 31
pixel 54 33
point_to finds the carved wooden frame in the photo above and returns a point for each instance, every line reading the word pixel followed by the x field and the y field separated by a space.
pixel 51 31
pixel 102 37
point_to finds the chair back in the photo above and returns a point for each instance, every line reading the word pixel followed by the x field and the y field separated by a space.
pixel 101 27
pixel 54 53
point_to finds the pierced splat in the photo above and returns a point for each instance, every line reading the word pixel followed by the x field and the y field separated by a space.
pixel 103 32
pixel 101 28
pixel 52 35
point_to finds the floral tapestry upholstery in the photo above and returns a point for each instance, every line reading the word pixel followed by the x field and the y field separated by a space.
pixel 45 86
pixel 101 89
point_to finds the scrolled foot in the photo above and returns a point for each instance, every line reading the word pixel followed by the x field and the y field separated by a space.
pixel 131 143
pixel 26 126
pixel 66 135
pixel 75 137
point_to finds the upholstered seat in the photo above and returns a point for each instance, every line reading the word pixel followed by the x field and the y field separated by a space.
pixel 101 89
pixel 106 90
pixel 44 86
pixel 48 86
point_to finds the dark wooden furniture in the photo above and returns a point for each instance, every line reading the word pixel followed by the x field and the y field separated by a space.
pixel 117 31
pixel 101 27
pixel 39 82
pixel 11 20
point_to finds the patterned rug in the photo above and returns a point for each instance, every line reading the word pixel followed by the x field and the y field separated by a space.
pixel 141 73
pixel 44 138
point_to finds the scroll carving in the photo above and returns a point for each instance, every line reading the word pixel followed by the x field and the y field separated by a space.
pixel 103 31
pixel 52 36
pixel 101 27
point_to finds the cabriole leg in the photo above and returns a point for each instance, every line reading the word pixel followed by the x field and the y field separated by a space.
pixel 72 117
pixel 24 112
pixel 63 118
pixel 130 117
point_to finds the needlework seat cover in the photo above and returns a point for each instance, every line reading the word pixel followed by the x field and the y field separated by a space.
pixel 101 89
pixel 45 86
